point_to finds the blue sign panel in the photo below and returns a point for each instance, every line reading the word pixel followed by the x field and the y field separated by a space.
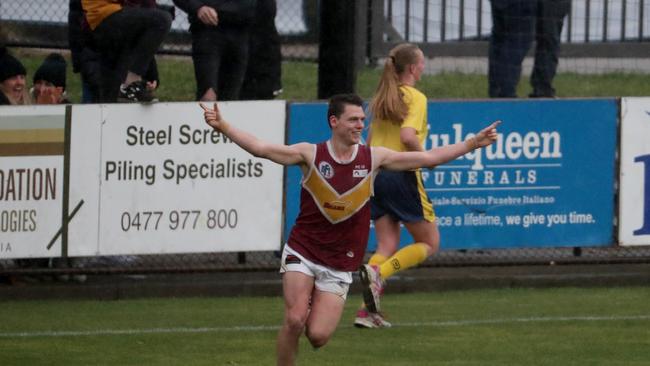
pixel 307 123
pixel 547 182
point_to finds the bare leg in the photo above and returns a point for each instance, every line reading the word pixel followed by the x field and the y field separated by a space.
pixel 387 231
pixel 326 311
pixel 297 288
pixel 425 232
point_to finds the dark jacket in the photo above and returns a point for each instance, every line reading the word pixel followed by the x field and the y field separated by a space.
pixel 232 13
pixel 80 39
pixel 3 99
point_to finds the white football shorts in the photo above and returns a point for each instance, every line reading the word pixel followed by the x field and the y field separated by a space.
pixel 325 278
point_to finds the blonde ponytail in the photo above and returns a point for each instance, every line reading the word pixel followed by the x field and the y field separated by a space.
pixel 388 102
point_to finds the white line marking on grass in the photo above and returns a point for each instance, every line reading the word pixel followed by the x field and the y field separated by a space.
pixel 456 323
pixel 252 328
pixel 102 332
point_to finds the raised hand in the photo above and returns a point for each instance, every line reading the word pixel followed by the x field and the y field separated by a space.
pixel 48 95
pixel 486 136
pixel 213 117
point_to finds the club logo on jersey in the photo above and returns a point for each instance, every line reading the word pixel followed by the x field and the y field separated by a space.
pixel 359 173
pixel 325 170
pixel 350 254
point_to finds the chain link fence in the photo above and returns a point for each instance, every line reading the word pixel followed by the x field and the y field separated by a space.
pixel 595 29
pixel 270 261
pixel 43 23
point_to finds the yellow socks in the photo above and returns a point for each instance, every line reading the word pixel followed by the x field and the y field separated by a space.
pixel 376 259
pixel 407 257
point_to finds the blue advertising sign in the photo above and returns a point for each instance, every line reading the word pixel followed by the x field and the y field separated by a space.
pixel 548 181
pixel 307 123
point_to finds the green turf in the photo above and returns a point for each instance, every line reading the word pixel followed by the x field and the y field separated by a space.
pixel 300 81
pixel 567 326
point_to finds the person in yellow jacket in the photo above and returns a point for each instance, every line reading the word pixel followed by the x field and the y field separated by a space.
pixel 127 34
pixel 399 113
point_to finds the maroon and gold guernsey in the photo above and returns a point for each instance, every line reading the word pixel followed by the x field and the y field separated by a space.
pixel 334 220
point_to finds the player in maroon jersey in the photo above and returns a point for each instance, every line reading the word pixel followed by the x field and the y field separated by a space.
pixel 328 241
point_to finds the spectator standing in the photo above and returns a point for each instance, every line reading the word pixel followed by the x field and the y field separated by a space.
pixel 127 34
pixel 263 78
pixel 85 58
pixel 548 29
pixel 12 80
pixel 220 45
pixel 515 24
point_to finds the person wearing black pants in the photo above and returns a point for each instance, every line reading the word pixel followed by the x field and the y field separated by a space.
pixel 264 74
pixel 515 24
pixel 127 37
pixel 548 28
pixel 220 45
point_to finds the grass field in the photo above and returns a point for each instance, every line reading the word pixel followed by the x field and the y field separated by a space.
pixel 300 80
pixel 567 326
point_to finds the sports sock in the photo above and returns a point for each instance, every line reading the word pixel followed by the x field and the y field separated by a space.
pixel 375 260
pixel 407 257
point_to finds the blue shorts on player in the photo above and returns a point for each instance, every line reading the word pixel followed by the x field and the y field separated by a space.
pixel 402 196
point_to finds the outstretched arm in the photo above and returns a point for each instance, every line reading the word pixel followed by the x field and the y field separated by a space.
pixel 282 154
pixel 393 160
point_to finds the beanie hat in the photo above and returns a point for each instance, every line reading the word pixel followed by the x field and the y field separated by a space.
pixel 52 70
pixel 9 65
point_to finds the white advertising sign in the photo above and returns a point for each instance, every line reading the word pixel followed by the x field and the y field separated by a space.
pixel 31 180
pixel 634 191
pixel 156 179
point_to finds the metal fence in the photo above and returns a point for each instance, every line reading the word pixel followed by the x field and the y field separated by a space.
pixel 269 261
pixel 461 20
pixel 605 28
pixel 594 28
pixel 43 24
pixel 461 28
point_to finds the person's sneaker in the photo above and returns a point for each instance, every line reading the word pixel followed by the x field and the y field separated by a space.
pixel 544 93
pixel 373 286
pixel 365 319
pixel 135 92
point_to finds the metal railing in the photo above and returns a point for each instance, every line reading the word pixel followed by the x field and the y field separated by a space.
pixel 457 28
pixel 593 28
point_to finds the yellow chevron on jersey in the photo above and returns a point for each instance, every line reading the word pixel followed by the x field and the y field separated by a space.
pixel 334 206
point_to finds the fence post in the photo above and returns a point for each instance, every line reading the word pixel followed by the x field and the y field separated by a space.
pixel 376 23
pixel 342 45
